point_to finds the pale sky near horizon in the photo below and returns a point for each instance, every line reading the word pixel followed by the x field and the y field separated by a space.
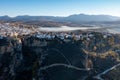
pixel 59 7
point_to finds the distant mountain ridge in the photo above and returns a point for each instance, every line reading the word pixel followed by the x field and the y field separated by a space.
pixel 71 18
pixel 88 18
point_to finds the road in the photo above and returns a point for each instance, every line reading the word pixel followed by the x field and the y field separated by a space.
pixel 64 65
pixel 106 71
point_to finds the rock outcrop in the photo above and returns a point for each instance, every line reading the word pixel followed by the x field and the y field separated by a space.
pixel 34 58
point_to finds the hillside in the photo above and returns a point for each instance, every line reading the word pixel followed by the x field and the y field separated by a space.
pixel 72 20
pixel 58 57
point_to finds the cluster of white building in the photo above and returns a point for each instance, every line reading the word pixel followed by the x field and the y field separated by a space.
pixel 69 35
pixel 7 30
pixel 63 35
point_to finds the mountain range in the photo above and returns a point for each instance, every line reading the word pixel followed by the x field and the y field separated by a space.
pixel 72 18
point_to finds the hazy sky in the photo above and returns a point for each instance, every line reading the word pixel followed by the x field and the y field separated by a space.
pixel 59 7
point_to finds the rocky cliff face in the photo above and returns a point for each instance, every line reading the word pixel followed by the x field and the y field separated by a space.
pixel 33 58
pixel 10 57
